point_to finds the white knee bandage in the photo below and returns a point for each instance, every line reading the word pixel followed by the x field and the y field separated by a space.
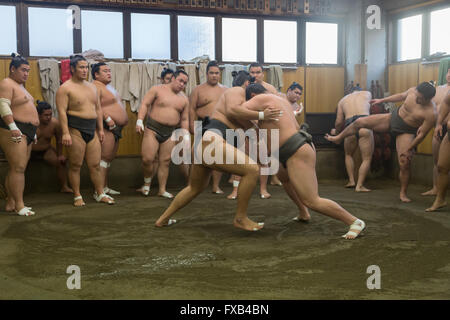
pixel 5 107
pixel 235 183
pixel 104 164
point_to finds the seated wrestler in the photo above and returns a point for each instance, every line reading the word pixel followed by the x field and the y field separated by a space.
pixel 43 149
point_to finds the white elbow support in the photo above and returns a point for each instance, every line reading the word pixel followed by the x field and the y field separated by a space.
pixel 5 107
pixel 140 123
pixel 261 115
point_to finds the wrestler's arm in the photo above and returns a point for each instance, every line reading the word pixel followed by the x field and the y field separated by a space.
pixel 234 108
pixel 62 104
pixel 185 121
pixel 394 98
pixel 99 111
pixel 58 136
pixel 193 98
pixel 340 118
pixel 6 92
pixel 426 126
pixel 443 110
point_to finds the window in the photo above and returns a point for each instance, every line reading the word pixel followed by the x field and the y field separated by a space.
pixel 280 41
pixel 409 35
pixel 439 28
pixel 238 39
pixel 8 42
pixel 321 43
pixel 155 25
pixel 51 33
pixel 195 37
pixel 103 31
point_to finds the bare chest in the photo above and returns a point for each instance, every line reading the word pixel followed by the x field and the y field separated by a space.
pixel 171 101
pixel 21 96
pixel 82 95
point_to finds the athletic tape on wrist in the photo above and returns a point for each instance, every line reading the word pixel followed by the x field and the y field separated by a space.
pixel 261 115
pixel 12 126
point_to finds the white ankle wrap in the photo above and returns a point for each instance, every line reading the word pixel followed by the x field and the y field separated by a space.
pixel 105 164
pixel 147 180
pixel 235 183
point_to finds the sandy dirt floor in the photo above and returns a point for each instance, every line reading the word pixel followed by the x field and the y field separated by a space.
pixel 121 255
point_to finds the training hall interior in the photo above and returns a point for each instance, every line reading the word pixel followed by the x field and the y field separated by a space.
pixel 329 47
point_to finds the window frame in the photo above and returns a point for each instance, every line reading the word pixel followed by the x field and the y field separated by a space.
pixel 426 29
pixel 23 34
pixel 18 24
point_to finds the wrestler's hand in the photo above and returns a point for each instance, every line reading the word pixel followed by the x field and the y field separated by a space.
pixel 375 101
pixel 407 154
pixel 272 113
pixel 111 124
pixel 139 126
pixel 101 135
pixel 438 132
pixel 16 136
pixel 66 140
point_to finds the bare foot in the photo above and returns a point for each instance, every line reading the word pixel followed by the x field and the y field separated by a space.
pixel 362 189
pixel 78 201
pixel 248 224
pixel 355 230
pixel 265 195
pixel 303 217
pixel 436 205
pixel 232 196
pixel 10 205
pixel 66 189
pixel 404 198
pixel 274 181
pixel 350 185
pixel 333 139
pixel 431 192
pixel 145 189
pixel 218 191
pixel 164 222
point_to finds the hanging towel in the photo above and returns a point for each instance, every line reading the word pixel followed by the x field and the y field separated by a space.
pixel 192 82
pixel 65 70
pixel 120 79
pixel 443 68
pixel 275 76
pixel 49 74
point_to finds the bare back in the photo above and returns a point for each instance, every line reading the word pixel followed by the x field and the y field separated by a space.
pixel 231 97
pixel 167 106
pixel 356 103
pixel 22 103
pixel 111 104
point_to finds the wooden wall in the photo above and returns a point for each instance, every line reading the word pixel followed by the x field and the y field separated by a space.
pixel 407 75
pixel 323 87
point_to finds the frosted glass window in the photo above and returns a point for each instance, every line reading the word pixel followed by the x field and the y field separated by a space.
pixel 238 39
pixel 280 41
pixel 195 37
pixel 102 31
pixel 51 33
pixel 8 42
pixel 321 43
pixel 439 28
pixel 150 36
pixel 409 38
